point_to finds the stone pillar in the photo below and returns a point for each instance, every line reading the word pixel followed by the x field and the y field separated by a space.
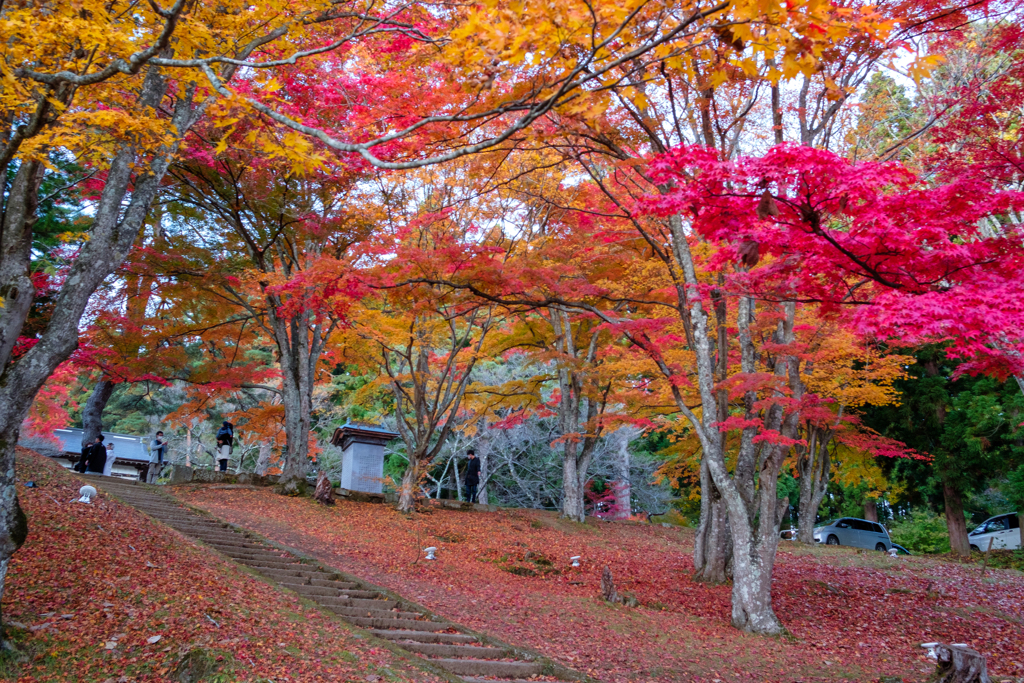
pixel 362 457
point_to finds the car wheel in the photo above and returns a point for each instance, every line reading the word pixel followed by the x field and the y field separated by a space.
pixel 880 546
pixel 832 540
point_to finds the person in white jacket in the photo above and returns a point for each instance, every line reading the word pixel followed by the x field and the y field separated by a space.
pixel 109 464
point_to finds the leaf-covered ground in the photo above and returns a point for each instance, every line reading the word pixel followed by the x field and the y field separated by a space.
pixel 94 585
pixel 853 616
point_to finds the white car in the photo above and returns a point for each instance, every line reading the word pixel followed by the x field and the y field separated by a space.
pixel 1003 530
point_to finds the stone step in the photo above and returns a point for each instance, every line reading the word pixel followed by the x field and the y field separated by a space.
pixel 487 667
pixel 372 613
pixel 357 603
pixel 281 575
pixel 280 564
pixel 253 554
pixel 404 624
pixel 191 527
pixel 424 636
pixel 225 539
pixel 456 651
pixel 291 575
pixel 321 591
pixel 333 583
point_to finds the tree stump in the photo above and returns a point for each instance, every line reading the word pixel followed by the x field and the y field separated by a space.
pixel 960 664
pixel 608 586
pixel 324 493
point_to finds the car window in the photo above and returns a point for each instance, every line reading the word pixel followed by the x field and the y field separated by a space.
pixel 843 524
pixel 861 525
pixel 998 524
pixel 1014 522
pixel 878 528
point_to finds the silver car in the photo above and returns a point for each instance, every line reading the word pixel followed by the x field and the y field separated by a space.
pixel 858 533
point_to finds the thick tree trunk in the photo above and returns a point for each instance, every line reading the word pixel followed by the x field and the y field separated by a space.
pixel 92 415
pixel 13 524
pixel 955 521
pixel 712 550
pixel 407 493
pixel 871 510
pixel 131 184
pixel 573 499
pixel 298 363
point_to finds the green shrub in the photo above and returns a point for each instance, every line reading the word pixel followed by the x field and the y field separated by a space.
pixel 922 531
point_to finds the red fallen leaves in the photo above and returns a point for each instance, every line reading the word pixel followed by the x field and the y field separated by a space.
pixel 853 616
pixel 95 584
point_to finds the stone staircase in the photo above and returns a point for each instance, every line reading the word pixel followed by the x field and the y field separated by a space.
pixel 441 643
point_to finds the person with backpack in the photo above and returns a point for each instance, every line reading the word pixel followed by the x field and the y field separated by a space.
pixel 225 443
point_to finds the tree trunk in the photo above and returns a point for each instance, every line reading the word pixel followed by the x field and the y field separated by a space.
pixel 871 510
pixel 814 465
pixel 960 665
pixel 407 494
pixel 573 500
pixel 955 521
pixel 297 367
pixel 712 550
pixel 621 486
pixel 263 462
pixel 129 188
pixel 484 453
pixel 13 523
pixel 92 415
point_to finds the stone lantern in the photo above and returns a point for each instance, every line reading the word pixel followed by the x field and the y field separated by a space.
pixel 362 459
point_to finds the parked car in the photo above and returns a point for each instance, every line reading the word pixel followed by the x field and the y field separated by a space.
pixel 858 533
pixel 900 549
pixel 1003 530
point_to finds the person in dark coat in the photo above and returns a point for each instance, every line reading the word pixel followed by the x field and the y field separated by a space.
pixel 472 479
pixel 225 444
pixel 97 456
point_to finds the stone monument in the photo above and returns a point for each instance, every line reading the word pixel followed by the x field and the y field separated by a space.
pixel 362 459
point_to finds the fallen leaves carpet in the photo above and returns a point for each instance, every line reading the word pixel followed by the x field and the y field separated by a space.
pixel 853 616
pixel 101 593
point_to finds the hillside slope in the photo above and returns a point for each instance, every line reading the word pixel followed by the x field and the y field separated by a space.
pixel 94 584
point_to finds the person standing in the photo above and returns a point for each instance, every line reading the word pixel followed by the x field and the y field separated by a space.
pixel 108 466
pixel 97 457
pixel 225 443
pixel 157 451
pixel 472 479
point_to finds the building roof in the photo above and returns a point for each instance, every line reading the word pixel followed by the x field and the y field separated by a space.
pixel 127 447
pixel 361 432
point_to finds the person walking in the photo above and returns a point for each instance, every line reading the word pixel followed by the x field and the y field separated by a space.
pixel 157 452
pixel 472 479
pixel 225 443
pixel 97 457
pixel 108 466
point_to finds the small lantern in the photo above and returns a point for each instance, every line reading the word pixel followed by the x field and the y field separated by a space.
pixel 575 560
pixel 87 493
pixel 430 552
